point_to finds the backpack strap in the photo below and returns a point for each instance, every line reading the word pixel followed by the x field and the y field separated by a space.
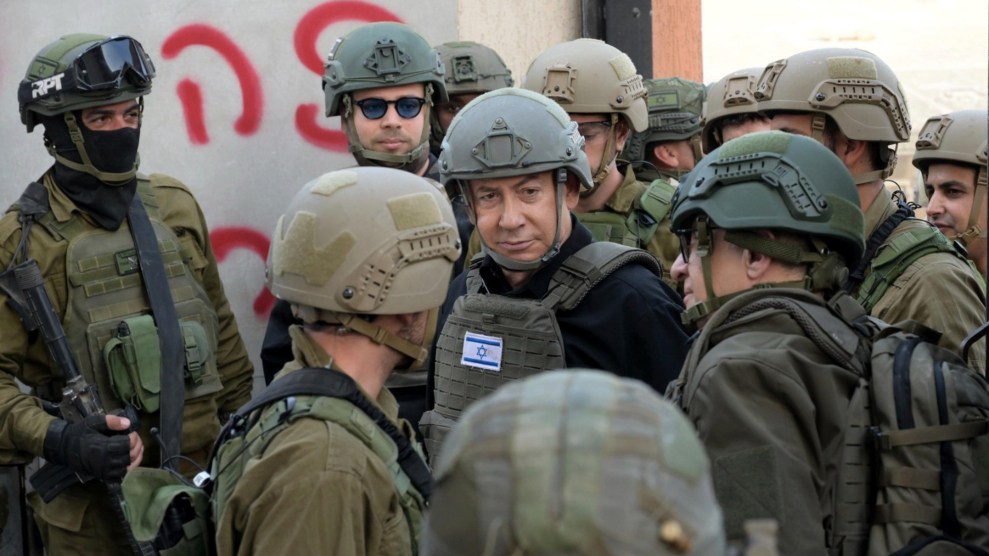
pixel 588 267
pixel 875 241
pixel 334 384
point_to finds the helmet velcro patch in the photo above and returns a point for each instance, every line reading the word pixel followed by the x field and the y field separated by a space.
pixel 296 250
pixel 623 66
pixel 414 211
pixel 328 184
pixel 755 143
pixel 852 67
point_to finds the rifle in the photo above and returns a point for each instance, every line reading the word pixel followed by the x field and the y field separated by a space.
pixel 79 398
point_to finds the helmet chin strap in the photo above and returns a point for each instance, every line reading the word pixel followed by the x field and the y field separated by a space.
pixel 817 125
pixel 109 178
pixel 975 231
pixel 608 157
pixel 417 353
pixel 411 161
pixel 554 250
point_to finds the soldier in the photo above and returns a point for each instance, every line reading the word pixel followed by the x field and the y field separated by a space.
pixel 573 462
pixel 819 93
pixel 768 403
pixel 364 256
pixel 471 69
pixel 730 109
pixel 383 80
pixel 103 236
pixel 951 154
pixel 598 86
pixel 667 150
pixel 543 296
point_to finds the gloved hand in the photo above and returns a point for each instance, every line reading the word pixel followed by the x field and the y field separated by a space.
pixel 89 446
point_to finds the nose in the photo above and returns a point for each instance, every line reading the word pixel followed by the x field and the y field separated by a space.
pixel 391 117
pixel 511 213
pixel 935 206
pixel 679 269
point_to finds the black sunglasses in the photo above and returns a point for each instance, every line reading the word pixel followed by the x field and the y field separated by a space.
pixel 686 236
pixel 375 108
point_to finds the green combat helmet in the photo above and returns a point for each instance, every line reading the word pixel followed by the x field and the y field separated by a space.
pixel 588 76
pixel 470 69
pixel 365 241
pixel 730 98
pixel 772 181
pixel 958 137
pixel 675 113
pixel 855 88
pixel 383 54
pixel 574 462
pixel 82 71
pixel 514 132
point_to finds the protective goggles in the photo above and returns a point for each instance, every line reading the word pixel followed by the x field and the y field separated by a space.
pixel 101 67
pixel 375 108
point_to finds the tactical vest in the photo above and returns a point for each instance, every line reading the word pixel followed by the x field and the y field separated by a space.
pixel 489 340
pixel 106 302
pixel 636 228
pixel 236 450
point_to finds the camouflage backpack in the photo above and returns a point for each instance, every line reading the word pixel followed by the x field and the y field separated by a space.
pixel 915 473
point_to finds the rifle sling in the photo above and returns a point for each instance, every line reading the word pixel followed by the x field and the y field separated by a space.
pixel 169 335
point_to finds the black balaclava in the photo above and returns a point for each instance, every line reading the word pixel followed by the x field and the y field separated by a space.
pixel 109 151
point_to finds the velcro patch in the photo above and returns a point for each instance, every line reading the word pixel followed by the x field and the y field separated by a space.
pixel 482 352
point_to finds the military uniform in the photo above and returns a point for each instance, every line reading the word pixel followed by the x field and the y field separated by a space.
pixel 938 290
pixel 83 510
pixel 664 243
pixel 770 408
pixel 317 488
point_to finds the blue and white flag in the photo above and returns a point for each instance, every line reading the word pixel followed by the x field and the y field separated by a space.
pixel 483 352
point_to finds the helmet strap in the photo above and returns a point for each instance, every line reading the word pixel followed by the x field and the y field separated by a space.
pixel 411 161
pixel 695 146
pixel 560 176
pixel 975 231
pixel 380 336
pixel 608 156
pixel 75 133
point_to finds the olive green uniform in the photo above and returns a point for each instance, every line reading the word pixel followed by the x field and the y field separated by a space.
pixel 938 290
pixel 317 488
pixel 80 519
pixel 770 409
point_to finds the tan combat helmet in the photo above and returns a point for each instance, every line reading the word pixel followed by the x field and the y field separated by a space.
pixel 675 113
pixel 382 54
pixel 732 96
pixel 588 76
pixel 365 241
pixel 575 462
pixel 958 137
pixel 853 87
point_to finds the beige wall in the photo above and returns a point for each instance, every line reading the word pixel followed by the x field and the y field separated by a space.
pixel 518 29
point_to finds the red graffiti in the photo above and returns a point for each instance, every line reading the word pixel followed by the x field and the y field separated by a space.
pixel 307 32
pixel 191 95
pixel 228 239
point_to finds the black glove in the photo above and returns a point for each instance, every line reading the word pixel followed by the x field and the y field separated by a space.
pixel 89 446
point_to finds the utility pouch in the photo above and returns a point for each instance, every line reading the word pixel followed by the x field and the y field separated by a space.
pixel 133 361
pixel 197 352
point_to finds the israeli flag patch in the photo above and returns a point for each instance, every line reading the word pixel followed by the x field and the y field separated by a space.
pixel 483 352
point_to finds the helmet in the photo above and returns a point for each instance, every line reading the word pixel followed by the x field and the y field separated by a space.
pixel 364 241
pixel 959 137
pixel 854 87
pixel 732 95
pixel 514 132
pixel 382 54
pixel 471 69
pixel 675 113
pixel 575 462
pixel 588 76
pixel 774 181
pixel 81 71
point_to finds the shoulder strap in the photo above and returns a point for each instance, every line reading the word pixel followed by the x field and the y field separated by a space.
pixel 30 207
pixel 588 267
pixel 162 304
pixel 331 383
pixel 474 281
pixel 897 255
pixel 857 274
